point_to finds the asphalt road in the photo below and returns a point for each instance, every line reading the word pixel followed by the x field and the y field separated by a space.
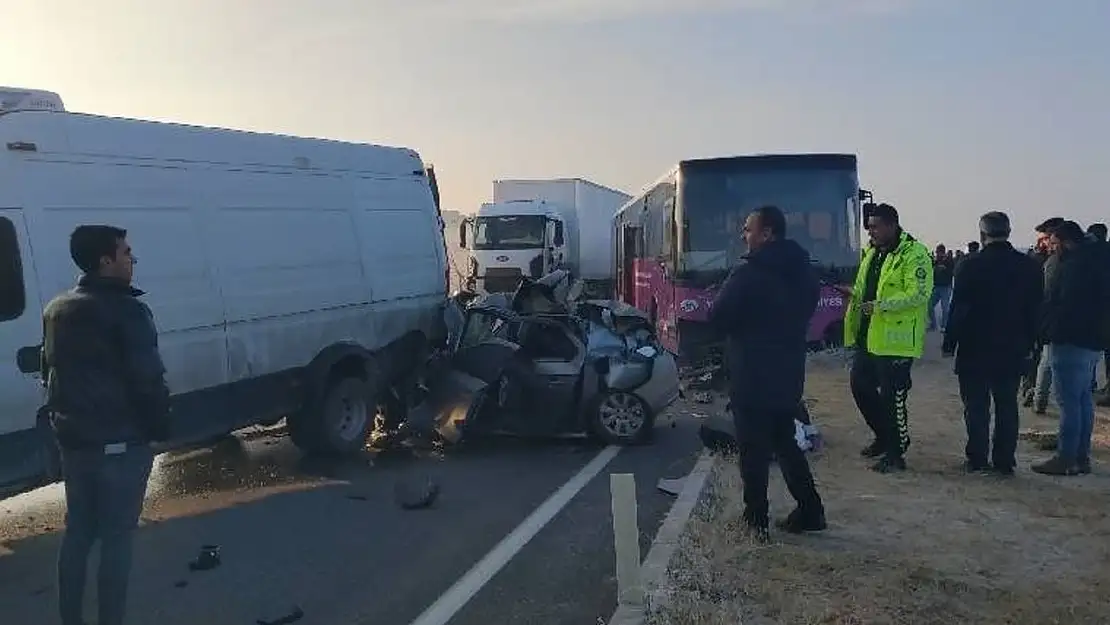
pixel 330 540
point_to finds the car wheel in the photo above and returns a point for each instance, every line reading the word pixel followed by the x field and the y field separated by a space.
pixel 340 422
pixel 621 418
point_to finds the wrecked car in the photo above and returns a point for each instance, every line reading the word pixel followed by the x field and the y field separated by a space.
pixel 540 363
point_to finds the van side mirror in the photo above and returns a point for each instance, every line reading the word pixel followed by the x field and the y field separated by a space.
pixel 462 234
pixel 557 240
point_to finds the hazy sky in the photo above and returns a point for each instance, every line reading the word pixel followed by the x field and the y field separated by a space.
pixel 954 106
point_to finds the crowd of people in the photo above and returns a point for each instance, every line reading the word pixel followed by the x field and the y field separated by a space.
pixel 1015 322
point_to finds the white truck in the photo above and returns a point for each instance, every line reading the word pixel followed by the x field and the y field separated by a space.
pixel 535 226
pixel 288 277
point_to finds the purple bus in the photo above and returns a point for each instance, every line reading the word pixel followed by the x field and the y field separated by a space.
pixel 679 239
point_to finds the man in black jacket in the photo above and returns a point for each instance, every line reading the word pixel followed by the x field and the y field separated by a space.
pixel 108 400
pixel 1075 318
pixel 992 330
pixel 764 310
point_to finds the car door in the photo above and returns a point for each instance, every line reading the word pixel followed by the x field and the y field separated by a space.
pixel 21 395
pixel 556 356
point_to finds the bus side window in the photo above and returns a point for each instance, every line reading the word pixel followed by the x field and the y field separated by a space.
pixel 13 295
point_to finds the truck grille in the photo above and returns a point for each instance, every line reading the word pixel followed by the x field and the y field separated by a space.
pixel 501 280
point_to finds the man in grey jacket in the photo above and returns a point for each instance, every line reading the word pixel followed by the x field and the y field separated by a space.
pixel 1051 260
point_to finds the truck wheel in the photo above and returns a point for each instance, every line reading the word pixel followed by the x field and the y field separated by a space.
pixel 339 422
pixel 620 418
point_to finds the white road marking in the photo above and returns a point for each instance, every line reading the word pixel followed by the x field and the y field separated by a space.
pixel 462 591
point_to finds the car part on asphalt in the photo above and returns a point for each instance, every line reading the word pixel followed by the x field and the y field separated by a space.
pixel 294 615
pixel 415 493
pixel 207 559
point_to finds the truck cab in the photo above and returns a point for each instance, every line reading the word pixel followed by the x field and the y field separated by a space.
pixel 509 240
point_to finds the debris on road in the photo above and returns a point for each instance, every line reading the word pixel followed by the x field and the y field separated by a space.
pixel 295 615
pixel 415 494
pixel 207 559
pixel 702 397
pixel 671 486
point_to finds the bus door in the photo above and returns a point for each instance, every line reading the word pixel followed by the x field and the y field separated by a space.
pixel 631 249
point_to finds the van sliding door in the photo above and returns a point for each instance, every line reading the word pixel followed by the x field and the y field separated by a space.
pixel 21 392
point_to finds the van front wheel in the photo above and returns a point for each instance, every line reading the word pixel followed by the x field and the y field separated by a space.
pixel 340 421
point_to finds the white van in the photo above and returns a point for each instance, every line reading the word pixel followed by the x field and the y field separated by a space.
pixel 289 277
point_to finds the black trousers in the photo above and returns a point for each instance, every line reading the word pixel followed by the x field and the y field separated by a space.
pixel 978 388
pixel 1029 373
pixel 881 388
pixel 762 434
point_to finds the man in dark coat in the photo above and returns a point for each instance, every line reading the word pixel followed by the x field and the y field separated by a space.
pixel 1076 325
pixel 764 310
pixel 992 330
pixel 108 400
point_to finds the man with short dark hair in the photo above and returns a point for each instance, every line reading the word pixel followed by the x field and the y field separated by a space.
pixel 108 400
pixel 1076 324
pixel 764 310
pixel 992 330
pixel 885 322
pixel 1049 261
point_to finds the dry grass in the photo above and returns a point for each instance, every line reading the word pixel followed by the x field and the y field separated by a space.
pixel 931 546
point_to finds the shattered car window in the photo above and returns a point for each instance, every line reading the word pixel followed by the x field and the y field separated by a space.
pixel 482 327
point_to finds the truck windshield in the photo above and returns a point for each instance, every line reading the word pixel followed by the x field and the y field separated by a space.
pixel 516 232
pixel 715 202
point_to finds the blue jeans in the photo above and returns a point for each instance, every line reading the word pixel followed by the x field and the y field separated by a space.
pixel 1072 368
pixel 104 497
pixel 941 295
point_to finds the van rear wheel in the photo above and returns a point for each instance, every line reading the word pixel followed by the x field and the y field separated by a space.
pixel 340 421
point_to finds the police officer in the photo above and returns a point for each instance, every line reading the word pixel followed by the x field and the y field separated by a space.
pixel 992 331
pixel 885 322
pixel 107 395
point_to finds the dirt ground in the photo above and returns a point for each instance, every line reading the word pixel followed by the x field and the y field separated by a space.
pixel 930 546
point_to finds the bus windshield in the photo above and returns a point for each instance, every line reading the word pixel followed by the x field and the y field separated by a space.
pixel 516 232
pixel 818 204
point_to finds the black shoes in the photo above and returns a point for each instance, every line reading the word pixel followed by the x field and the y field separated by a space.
pixel 1058 466
pixel 971 467
pixel 874 450
pixel 802 520
pixel 983 468
pixel 889 464
pixel 755 528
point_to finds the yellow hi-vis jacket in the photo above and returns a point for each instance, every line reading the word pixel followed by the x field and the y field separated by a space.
pixel 901 302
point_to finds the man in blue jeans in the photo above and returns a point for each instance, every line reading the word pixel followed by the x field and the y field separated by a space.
pixel 944 267
pixel 1075 325
pixel 108 400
